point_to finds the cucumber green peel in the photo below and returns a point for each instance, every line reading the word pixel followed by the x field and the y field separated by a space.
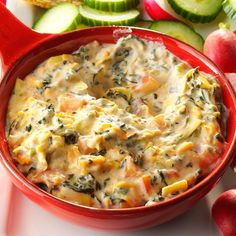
pixel 61 18
pixel 197 11
pixel 94 17
pixel 229 7
pixel 112 5
pixel 179 31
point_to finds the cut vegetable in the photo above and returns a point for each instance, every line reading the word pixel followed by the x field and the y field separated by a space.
pixel 94 17
pixel 179 31
pixel 181 185
pixel 229 7
pixel 197 11
pixel 112 5
pixel 81 26
pixel 220 48
pixel 61 18
pixel 223 212
pixel 143 24
pixel 160 10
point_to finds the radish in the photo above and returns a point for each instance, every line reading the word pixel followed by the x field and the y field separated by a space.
pixel 160 10
pixel 220 47
pixel 224 212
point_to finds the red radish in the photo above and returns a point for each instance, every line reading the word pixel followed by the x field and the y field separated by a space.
pixel 220 47
pixel 160 10
pixel 224 212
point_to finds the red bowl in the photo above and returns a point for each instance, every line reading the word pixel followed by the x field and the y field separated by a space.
pixel 22 50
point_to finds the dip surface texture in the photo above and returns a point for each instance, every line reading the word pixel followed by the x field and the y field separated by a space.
pixel 115 125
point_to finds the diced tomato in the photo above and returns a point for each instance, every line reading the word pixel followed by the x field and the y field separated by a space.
pixel 147 183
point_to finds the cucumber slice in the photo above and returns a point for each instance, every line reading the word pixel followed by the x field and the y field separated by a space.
pixel 81 26
pixel 94 17
pixel 229 7
pixel 197 11
pixel 61 18
pixel 143 24
pixel 112 5
pixel 179 31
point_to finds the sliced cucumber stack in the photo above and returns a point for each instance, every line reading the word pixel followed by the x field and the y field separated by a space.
pixel 143 24
pixel 197 11
pixel 61 18
pixel 229 7
pixel 179 31
pixel 112 5
pixel 95 17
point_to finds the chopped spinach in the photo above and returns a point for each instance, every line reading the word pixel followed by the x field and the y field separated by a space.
pixel 28 128
pixel 45 84
pixel 162 177
pixel 153 180
pixel 155 96
pixel 50 108
pixel 160 198
pixel 122 191
pixel 70 137
pixel 122 53
pixel 42 121
pixel 98 186
pixel 131 141
pixel 84 184
pixel 100 152
pixel 47 81
pixel 118 72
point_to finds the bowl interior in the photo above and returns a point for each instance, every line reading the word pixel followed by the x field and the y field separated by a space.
pixel 68 43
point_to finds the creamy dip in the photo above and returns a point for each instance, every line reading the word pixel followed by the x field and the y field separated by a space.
pixel 115 125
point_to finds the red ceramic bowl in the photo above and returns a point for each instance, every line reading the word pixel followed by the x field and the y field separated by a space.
pixel 21 50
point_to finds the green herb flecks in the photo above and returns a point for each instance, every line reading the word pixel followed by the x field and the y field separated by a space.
pixel 46 83
pixel 122 53
pixel 28 128
pixel 70 137
pixel 100 152
pixel 118 72
pixel 122 191
pixel 153 180
pixel 163 180
pixel 84 184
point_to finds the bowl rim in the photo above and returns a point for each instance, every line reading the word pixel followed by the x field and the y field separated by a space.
pixel 215 174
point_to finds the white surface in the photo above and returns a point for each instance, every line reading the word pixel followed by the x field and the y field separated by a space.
pixel 22 10
pixel 5 199
pixel 21 217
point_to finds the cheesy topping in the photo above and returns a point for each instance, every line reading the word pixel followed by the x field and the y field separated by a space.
pixel 115 125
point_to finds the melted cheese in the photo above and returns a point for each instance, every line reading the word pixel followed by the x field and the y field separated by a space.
pixel 115 125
